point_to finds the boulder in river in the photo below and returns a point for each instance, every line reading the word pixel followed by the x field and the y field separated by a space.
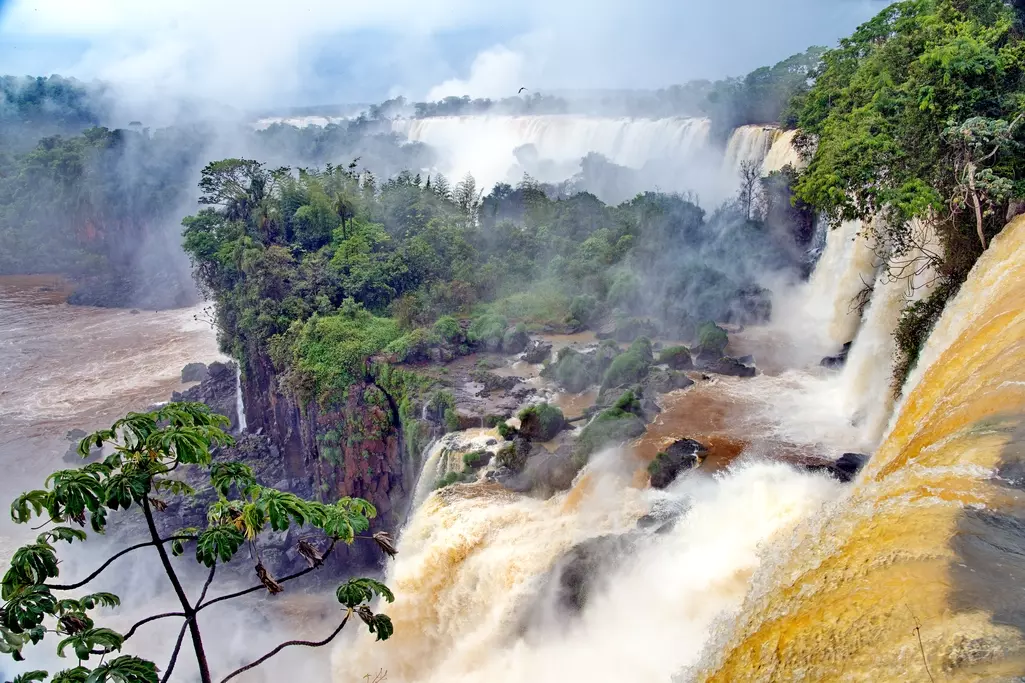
pixel 844 468
pixel 684 454
pixel 515 340
pixel 731 367
pixel 538 351
pixel 838 360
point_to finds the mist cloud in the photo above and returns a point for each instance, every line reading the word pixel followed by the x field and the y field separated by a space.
pixel 259 53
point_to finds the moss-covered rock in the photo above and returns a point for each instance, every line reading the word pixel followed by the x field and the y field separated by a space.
pixel 615 425
pixel 712 340
pixel 676 357
pixel 514 455
pixel 455 478
pixel 629 367
pixel 476 459
pixel 661 381
pixel 488 331
pixel 541 422
pixel 683 455
pixel 516 339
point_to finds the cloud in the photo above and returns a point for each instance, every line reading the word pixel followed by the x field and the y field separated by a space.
pixel 259 53
pixel 494 73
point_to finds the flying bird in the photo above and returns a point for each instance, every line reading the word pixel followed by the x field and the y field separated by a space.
pixel 520 90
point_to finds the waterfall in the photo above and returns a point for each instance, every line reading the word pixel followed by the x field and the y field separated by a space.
pixel 470 604
pixel 747 144
pixel 917 573
pixel 822 314
pixel 782 153
pixel 445 455
pixel 487 146
pixel 240 407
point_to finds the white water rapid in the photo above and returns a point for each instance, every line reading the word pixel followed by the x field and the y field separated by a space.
pixel 471 604
pixel 240 407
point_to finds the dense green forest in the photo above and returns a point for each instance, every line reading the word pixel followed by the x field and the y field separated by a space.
pixel 918 116
pixel 324 268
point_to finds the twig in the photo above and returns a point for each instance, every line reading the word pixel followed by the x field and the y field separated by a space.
pixel 165 615
pixel 918 632
pixel 174 653
pixel 291 643
pixel 79 584
pixel 206 586
pixel 260 586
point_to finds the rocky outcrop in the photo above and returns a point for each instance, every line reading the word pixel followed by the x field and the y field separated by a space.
pixel 353 448
pixel 218 389
pixel 837 361
pixel 730 367
pixel 538 351
pixel 683 455
pixel 194 372
pixel 844 468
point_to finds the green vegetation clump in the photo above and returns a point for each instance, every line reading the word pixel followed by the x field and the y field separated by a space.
pixel 541 422
pixel 676 357
pixel 712 339
pixel 916 323
pixel 506 431
pixel 488 329
pixel 476 459
pixel 513 455
pixel 582 310
pixel 335 349
pixel 413 346
pixel 447 328
pixel 615 425
pixel 454 478
pixel 631 366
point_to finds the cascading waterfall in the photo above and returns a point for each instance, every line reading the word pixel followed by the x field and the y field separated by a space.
pixel 486 145
pixel 444 455
pixel 470 601
pixel 822 314
pixel 747 144
pixel 240 408
pixel 782 153
pixel 915 575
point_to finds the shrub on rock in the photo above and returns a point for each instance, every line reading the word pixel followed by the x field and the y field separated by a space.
pixel 541 422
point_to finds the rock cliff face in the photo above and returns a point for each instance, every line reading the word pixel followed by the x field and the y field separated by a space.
pixel 353 449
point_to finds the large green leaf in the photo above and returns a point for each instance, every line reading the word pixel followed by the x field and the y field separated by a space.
pixel 61 533
pixel 125 488
pixel 74 492
pixel 30 676
pixel 31 565
pixel 218 543
pixel 224 475
pixel 356 592
pixel 282 508
pixel 124 669
pixel 28 503
pixel 77 675
pixel 26 608
pixel 85 641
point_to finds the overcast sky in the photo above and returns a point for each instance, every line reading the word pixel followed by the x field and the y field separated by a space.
pixel 256 53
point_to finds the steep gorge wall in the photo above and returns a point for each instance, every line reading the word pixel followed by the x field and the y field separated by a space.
pixel 356 448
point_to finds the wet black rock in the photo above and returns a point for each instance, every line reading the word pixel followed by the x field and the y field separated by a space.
pixel 218 390
pixel 538 351
pixel 844 468
pixel 516 340
pixel 582 570
pixel 194 372
pixel 731 367
pixel 839 360
pixel 661 381
pixel 683 455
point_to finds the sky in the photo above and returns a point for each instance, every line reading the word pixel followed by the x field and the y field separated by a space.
pixel 256 54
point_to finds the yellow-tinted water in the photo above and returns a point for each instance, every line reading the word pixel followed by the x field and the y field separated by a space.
pixel 918 573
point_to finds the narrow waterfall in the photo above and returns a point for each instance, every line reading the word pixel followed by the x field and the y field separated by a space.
pixel 917 571
pixel 444 455
pixel 782 153
pixel 240 408
pixel 747 144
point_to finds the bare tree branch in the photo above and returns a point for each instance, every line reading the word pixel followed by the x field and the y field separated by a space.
pixel 155 617
pixel 174 653
pixel 79 584
pixel 260 586
pixel 290 643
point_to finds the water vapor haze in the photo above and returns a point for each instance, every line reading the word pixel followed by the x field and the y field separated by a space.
pixel 258 54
